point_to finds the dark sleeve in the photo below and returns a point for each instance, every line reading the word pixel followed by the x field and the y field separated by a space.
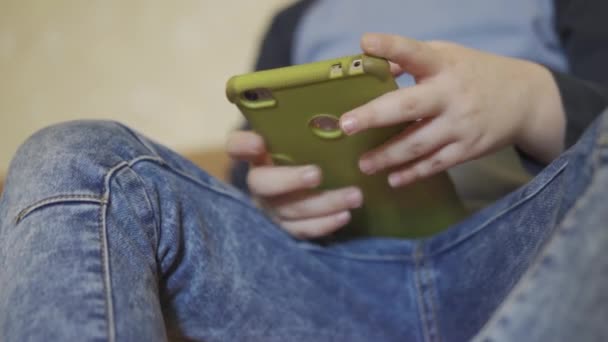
pixel 275 52
pixel 582 27
pixel 277 45
pixel 583 101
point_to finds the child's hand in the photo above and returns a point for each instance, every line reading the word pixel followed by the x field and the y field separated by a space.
pixel 287 191
pixel 468 103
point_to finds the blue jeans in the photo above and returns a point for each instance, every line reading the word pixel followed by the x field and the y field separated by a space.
pixel 105 235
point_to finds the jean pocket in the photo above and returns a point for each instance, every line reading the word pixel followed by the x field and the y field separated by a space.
pixel 55 200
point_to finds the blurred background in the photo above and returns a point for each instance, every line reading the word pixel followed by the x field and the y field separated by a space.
pixel 158 66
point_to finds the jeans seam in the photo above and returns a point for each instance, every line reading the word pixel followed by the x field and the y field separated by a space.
pixel 432 298
pixel 349 255
pixel 104 258
pixel 107 280
pixel 426 313
pixel 62 198
pixel 325 332
pixel 150 206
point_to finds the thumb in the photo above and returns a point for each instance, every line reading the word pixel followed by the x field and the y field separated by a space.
pixel 415 57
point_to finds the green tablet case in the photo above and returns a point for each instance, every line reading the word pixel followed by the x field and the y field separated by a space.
pixel 295 109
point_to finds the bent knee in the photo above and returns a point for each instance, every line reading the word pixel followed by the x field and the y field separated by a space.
pixel 75 137
pixel 69 142
pixel 71 157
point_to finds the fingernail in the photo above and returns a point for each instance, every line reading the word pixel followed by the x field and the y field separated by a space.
pixel 311 175
pixel 255 149
pixel 348 124
pixel 366 166
pixel 343 216
pixel 371 42
pixel 354 198
pixel 395 180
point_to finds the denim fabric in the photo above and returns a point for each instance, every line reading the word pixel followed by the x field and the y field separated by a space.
pixel 564 294
pixel 107 236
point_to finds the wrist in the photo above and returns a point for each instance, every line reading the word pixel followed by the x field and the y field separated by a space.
pixel 542 133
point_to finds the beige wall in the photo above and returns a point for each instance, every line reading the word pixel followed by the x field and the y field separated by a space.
pixel 159 66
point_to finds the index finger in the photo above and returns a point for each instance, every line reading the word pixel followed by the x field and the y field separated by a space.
pixel 399 106
pixel 416 57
